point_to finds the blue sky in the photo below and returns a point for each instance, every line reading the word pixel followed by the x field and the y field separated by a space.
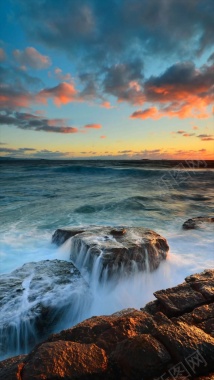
pixel 110 79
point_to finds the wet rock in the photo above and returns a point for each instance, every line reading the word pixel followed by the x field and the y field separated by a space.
pixel 130 344
pixel 119 251
pixel 61 235
pixel 33 300
pixel 198 222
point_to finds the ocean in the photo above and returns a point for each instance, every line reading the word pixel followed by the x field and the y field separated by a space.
pixel 39 196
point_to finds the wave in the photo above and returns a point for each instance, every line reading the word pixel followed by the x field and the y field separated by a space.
pixel 93 170
pixel 127 204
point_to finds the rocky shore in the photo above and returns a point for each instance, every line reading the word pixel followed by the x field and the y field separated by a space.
pixel 170 338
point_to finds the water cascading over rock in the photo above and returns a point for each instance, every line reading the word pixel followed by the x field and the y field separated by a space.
pixel 35 299
pixel 108 252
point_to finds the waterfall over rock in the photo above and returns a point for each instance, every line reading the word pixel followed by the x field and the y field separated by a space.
pixel 34 301
pixel 114 251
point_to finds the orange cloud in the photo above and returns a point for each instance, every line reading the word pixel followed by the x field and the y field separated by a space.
pixel 188 134
pixel 64 93
pixel 106 105
pixel 93 126
pixel 12 99
pixel 152 113
pixel 182 91
pixel 103 137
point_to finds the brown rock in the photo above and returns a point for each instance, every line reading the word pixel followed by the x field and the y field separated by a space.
pixel 203 283
pixel 141 357
pixel 107 331
pixel 197 222
pixel 10 369
pixel 66 360
pixel 183 340
pixel 179 299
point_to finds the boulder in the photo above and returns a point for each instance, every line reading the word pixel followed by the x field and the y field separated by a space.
pixel 71 361
pixel 114 251
pixel 130 344
pixel 33 300
pixel 198 222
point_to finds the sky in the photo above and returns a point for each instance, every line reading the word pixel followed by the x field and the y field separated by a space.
pixel 126 79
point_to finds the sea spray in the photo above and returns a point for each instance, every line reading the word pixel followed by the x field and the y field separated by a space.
pixel 38 299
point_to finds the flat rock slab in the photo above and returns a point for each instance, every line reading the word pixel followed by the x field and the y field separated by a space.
pixel 112 250
pixel 34 298
pixel 198 222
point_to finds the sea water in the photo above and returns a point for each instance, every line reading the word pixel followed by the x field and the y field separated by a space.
pixel 39 196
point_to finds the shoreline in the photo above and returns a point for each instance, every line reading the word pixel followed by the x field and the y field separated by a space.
pixel 172 329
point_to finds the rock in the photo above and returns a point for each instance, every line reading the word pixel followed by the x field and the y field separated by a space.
pixel 71 361
pixel 179 300
pixel 107 331
pixel 183 341
pixel 33 300
pixel 61 235
pixel 197 222
pixel 10 369
pixel 130 344
pixel 115 251
pixel 141 357
pixel 203 283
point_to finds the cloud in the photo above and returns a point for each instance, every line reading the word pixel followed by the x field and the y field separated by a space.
pixel 124 81
pixel 93 126
pixel 125 151
pixel 195 128
pixel 39 123
pixel 34 153
pixel 36 123
pixel 103 137
pixel 205 137
pixel 184 133
pixel 16 152
pixel 181 91
pixel 30 57
pixel 63 93
pixel 188 134
pixel 2 55
pixel 152 113
pixel 17 88
pixel 99 31
pixel 62 77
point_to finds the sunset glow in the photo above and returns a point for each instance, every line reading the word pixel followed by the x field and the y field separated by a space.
pixel 107 81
